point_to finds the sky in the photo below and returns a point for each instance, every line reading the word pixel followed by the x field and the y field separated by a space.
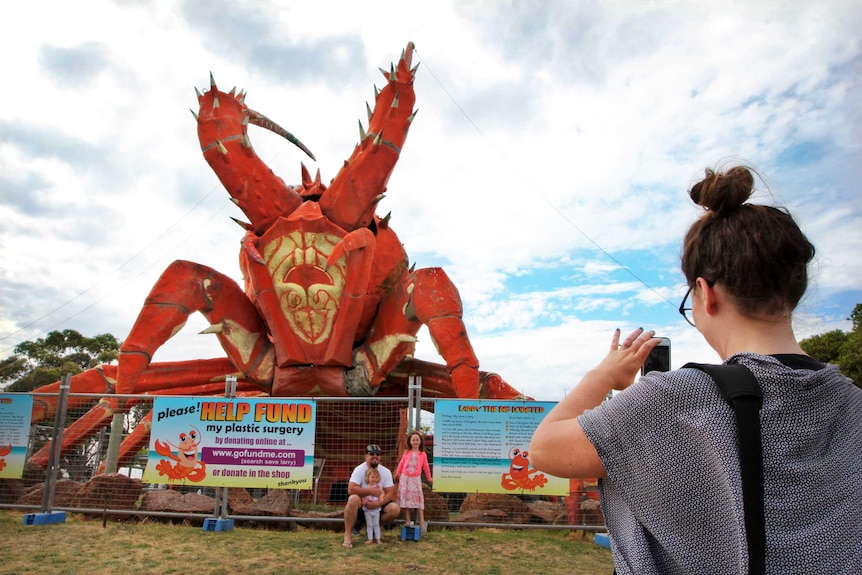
pixel 546 171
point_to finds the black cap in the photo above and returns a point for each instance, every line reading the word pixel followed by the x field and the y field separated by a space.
pixel 372 449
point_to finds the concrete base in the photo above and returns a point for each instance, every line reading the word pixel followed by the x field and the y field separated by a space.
pixel 45 518
pixel 411 533
pixel 602 539
pixel 215 524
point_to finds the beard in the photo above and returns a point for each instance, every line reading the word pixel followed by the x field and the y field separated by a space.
pixel 374 464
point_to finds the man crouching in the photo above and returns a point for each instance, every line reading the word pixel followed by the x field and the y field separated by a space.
pixel 358 492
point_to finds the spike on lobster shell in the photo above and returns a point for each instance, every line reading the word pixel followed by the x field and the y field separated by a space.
pixel 214 328
pixel 244 225
pixel 306 176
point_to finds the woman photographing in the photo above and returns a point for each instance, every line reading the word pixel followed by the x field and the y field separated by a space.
pixel 666 446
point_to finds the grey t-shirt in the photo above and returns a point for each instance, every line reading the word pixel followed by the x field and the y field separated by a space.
pixel 673 497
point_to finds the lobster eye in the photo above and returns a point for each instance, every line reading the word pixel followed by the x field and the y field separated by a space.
pixel 182 436
pixel 193 435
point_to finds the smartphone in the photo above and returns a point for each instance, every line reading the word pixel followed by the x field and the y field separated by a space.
pixel 659 357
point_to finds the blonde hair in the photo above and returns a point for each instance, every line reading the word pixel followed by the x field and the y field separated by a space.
pixel 372 472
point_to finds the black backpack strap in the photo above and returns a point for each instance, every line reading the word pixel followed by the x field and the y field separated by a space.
pixel 741 391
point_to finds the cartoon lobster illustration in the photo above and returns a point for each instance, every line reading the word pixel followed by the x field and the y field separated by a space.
pixel 329 306
pixel 188 465
pixel 4 451
pixel 519 473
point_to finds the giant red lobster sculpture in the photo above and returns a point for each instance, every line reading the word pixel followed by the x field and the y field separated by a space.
pixel 329 308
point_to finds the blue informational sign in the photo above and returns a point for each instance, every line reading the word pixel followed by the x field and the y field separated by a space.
pixel 15 412
pixel 482 446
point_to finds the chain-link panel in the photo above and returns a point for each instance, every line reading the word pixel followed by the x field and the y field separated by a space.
pixel 343 429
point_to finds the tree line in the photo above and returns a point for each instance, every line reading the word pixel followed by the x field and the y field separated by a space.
pixel 844 349
pixel 48 359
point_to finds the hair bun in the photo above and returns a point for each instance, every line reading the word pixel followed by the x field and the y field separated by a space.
pixel 723 192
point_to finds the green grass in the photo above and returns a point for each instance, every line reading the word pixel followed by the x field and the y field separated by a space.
pixel 143 547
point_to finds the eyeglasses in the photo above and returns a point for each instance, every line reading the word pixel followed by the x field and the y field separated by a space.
pixel 685 311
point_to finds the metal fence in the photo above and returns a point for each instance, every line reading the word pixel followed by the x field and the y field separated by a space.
pixel 80 478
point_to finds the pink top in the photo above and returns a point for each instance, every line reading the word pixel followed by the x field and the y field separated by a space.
pixel 422 461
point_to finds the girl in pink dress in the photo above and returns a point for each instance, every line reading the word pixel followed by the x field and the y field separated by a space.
pixel 413 463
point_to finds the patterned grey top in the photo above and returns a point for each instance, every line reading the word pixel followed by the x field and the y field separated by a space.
pixel 673 497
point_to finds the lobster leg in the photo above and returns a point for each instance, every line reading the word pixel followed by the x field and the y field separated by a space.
pixel 436 303
pixel 184 288
pixel 357 248
pixel 97 380
pixel 82 428
pixel 437 383
pixel 426 296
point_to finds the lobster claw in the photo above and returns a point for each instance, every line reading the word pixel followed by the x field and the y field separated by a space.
pixel 351 199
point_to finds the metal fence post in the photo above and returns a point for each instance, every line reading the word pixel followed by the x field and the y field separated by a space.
pixel 414 402
pixel 114 440
pixel 219 521
pixel 56 444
